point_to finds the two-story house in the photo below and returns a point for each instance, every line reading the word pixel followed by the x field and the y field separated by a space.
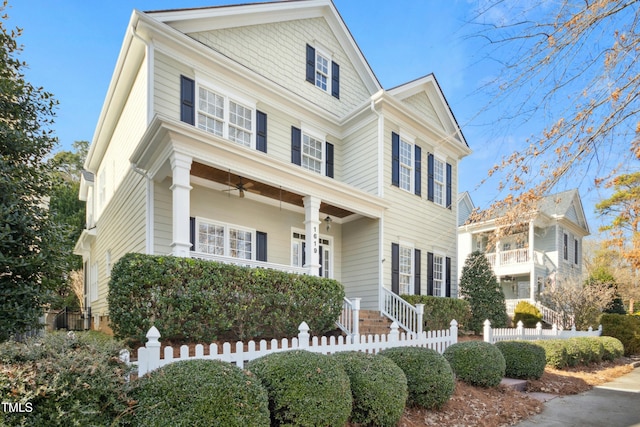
pixel 544 249
pixel 258 134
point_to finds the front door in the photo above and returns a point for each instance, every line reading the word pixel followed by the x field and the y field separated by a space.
pixel 325 258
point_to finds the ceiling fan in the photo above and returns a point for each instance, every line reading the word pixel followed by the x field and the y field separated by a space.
pixel 241 187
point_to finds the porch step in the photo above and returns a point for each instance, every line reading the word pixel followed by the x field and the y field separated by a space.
pixel 373 323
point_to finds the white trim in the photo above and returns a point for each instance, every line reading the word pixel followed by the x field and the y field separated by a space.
pixel 321 51
pixel 443 161
pixel 302 239
pixel 150 216
pixel 443 271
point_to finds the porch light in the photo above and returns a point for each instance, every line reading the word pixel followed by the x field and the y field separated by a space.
pixel 327 221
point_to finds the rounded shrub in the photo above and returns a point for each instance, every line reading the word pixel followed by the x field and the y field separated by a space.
pixel 524 360
pixel 200 393
pixel 555 352
pixel 577 352
pixel 304 388
pixel 430 379
pixel 378 387
pixel 527 313
pixel 595 348
pixel 612 348
pixel 477 363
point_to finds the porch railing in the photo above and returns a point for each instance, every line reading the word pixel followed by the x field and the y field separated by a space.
pixel 549 316
pixel 407 316
pixel 249 263
pixel 510 257
pixel 349 320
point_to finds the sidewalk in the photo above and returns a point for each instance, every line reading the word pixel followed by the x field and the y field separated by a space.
pixel 613 404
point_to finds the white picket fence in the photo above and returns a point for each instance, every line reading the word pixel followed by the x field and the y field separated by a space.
pixel 238 353
pixel 521 333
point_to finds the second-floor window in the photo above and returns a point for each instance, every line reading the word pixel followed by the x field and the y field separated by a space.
pixel 565 247
pixel 311 153
pixel 224 117
pixel 439 182
pixel 322 71
pixel 406 165
pixel 575 251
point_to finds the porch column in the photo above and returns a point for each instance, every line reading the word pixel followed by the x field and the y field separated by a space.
pixel 180 190
pixel 312 224
pixel 532 275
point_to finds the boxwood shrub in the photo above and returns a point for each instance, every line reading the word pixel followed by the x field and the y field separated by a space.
pixel 200 393
pixel 439 312
pixel 523 359
pixel 476 362
pixel 196 300
pixel 612 348
pixel 378 387
pixel 626 328
pixel 527 313
pixel 304 388
pixel 429 377
pixel 68 379
pixel 555 352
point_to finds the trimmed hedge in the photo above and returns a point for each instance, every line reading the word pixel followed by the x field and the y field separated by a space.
pixel 200 393
pixel 527 313
pixel 196 300
pixel 625 328
pixel 555 352
pixel 74 379
pixel 304 388
pixel 429 377
pixel 523 359
pixel 378 387
pixel 477 363
pixel 612 347
pixel 439 312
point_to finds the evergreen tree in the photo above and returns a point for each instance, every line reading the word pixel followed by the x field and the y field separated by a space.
pixel 602 276
pixel 479 286
pixel 29 240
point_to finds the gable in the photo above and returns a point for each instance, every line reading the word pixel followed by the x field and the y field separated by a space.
pixel 421 103
pixel 277 51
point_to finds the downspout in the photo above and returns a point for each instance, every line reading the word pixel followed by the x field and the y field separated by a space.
pixel 380 186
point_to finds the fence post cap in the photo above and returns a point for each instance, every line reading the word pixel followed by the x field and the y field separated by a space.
pixel 303 327
pixel 487 322
pixel 453 323
pixel 394 326
pixel 539 325
pixel 520 324
pixel 153 334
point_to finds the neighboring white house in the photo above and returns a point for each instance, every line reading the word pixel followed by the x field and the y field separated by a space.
pixel 543 250
pixel 257 134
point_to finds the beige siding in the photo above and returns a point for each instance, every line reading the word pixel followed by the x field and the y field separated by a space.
pixel 167 71
pixel 162 218
pixel 278 52
pixel 421 103
pixel 360 158
pixel 278 132
pixel 120 230
pixel 416 221
pixel 361 261
pixel 130 127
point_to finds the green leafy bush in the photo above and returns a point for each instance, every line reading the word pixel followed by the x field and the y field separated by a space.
pixel 555 352
pixel 612 348
pixel 625 328
pixel 197 300
pixel 429 377
pixel 304 388
pixel 200 393
pixel 527 313
pixel 476 362
pixel 576 353
pixel 68 379
pixel 439 312
pixel 523 359
pixel 378 387
pixel 593 345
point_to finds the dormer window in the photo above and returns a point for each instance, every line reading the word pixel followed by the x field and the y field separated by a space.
pixel 322 71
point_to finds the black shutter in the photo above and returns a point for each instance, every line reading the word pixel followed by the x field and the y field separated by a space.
pixel 430 177
pixel 296 141
pixel 448 277
pixel 261 131
pixel 416 272
pixel 429 273
pixel 449 186
pixel 335 80
pixel 329 159
pixel 311 65
pixel 187 100
pixel 261 246
pixel 320 261
pixel 304 254
pixel 395 159
pixel 418 171
pixel 192 233
pixel 395 268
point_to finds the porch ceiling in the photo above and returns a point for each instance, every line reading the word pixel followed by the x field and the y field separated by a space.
pixel 231 179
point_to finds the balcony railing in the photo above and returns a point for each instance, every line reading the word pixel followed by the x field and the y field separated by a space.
pixel 511 257
pixel 249 263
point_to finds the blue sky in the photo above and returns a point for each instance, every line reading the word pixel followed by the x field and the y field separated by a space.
pixel 71 48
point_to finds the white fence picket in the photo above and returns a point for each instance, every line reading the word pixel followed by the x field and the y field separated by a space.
pixel 149 356
pixel 531 334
